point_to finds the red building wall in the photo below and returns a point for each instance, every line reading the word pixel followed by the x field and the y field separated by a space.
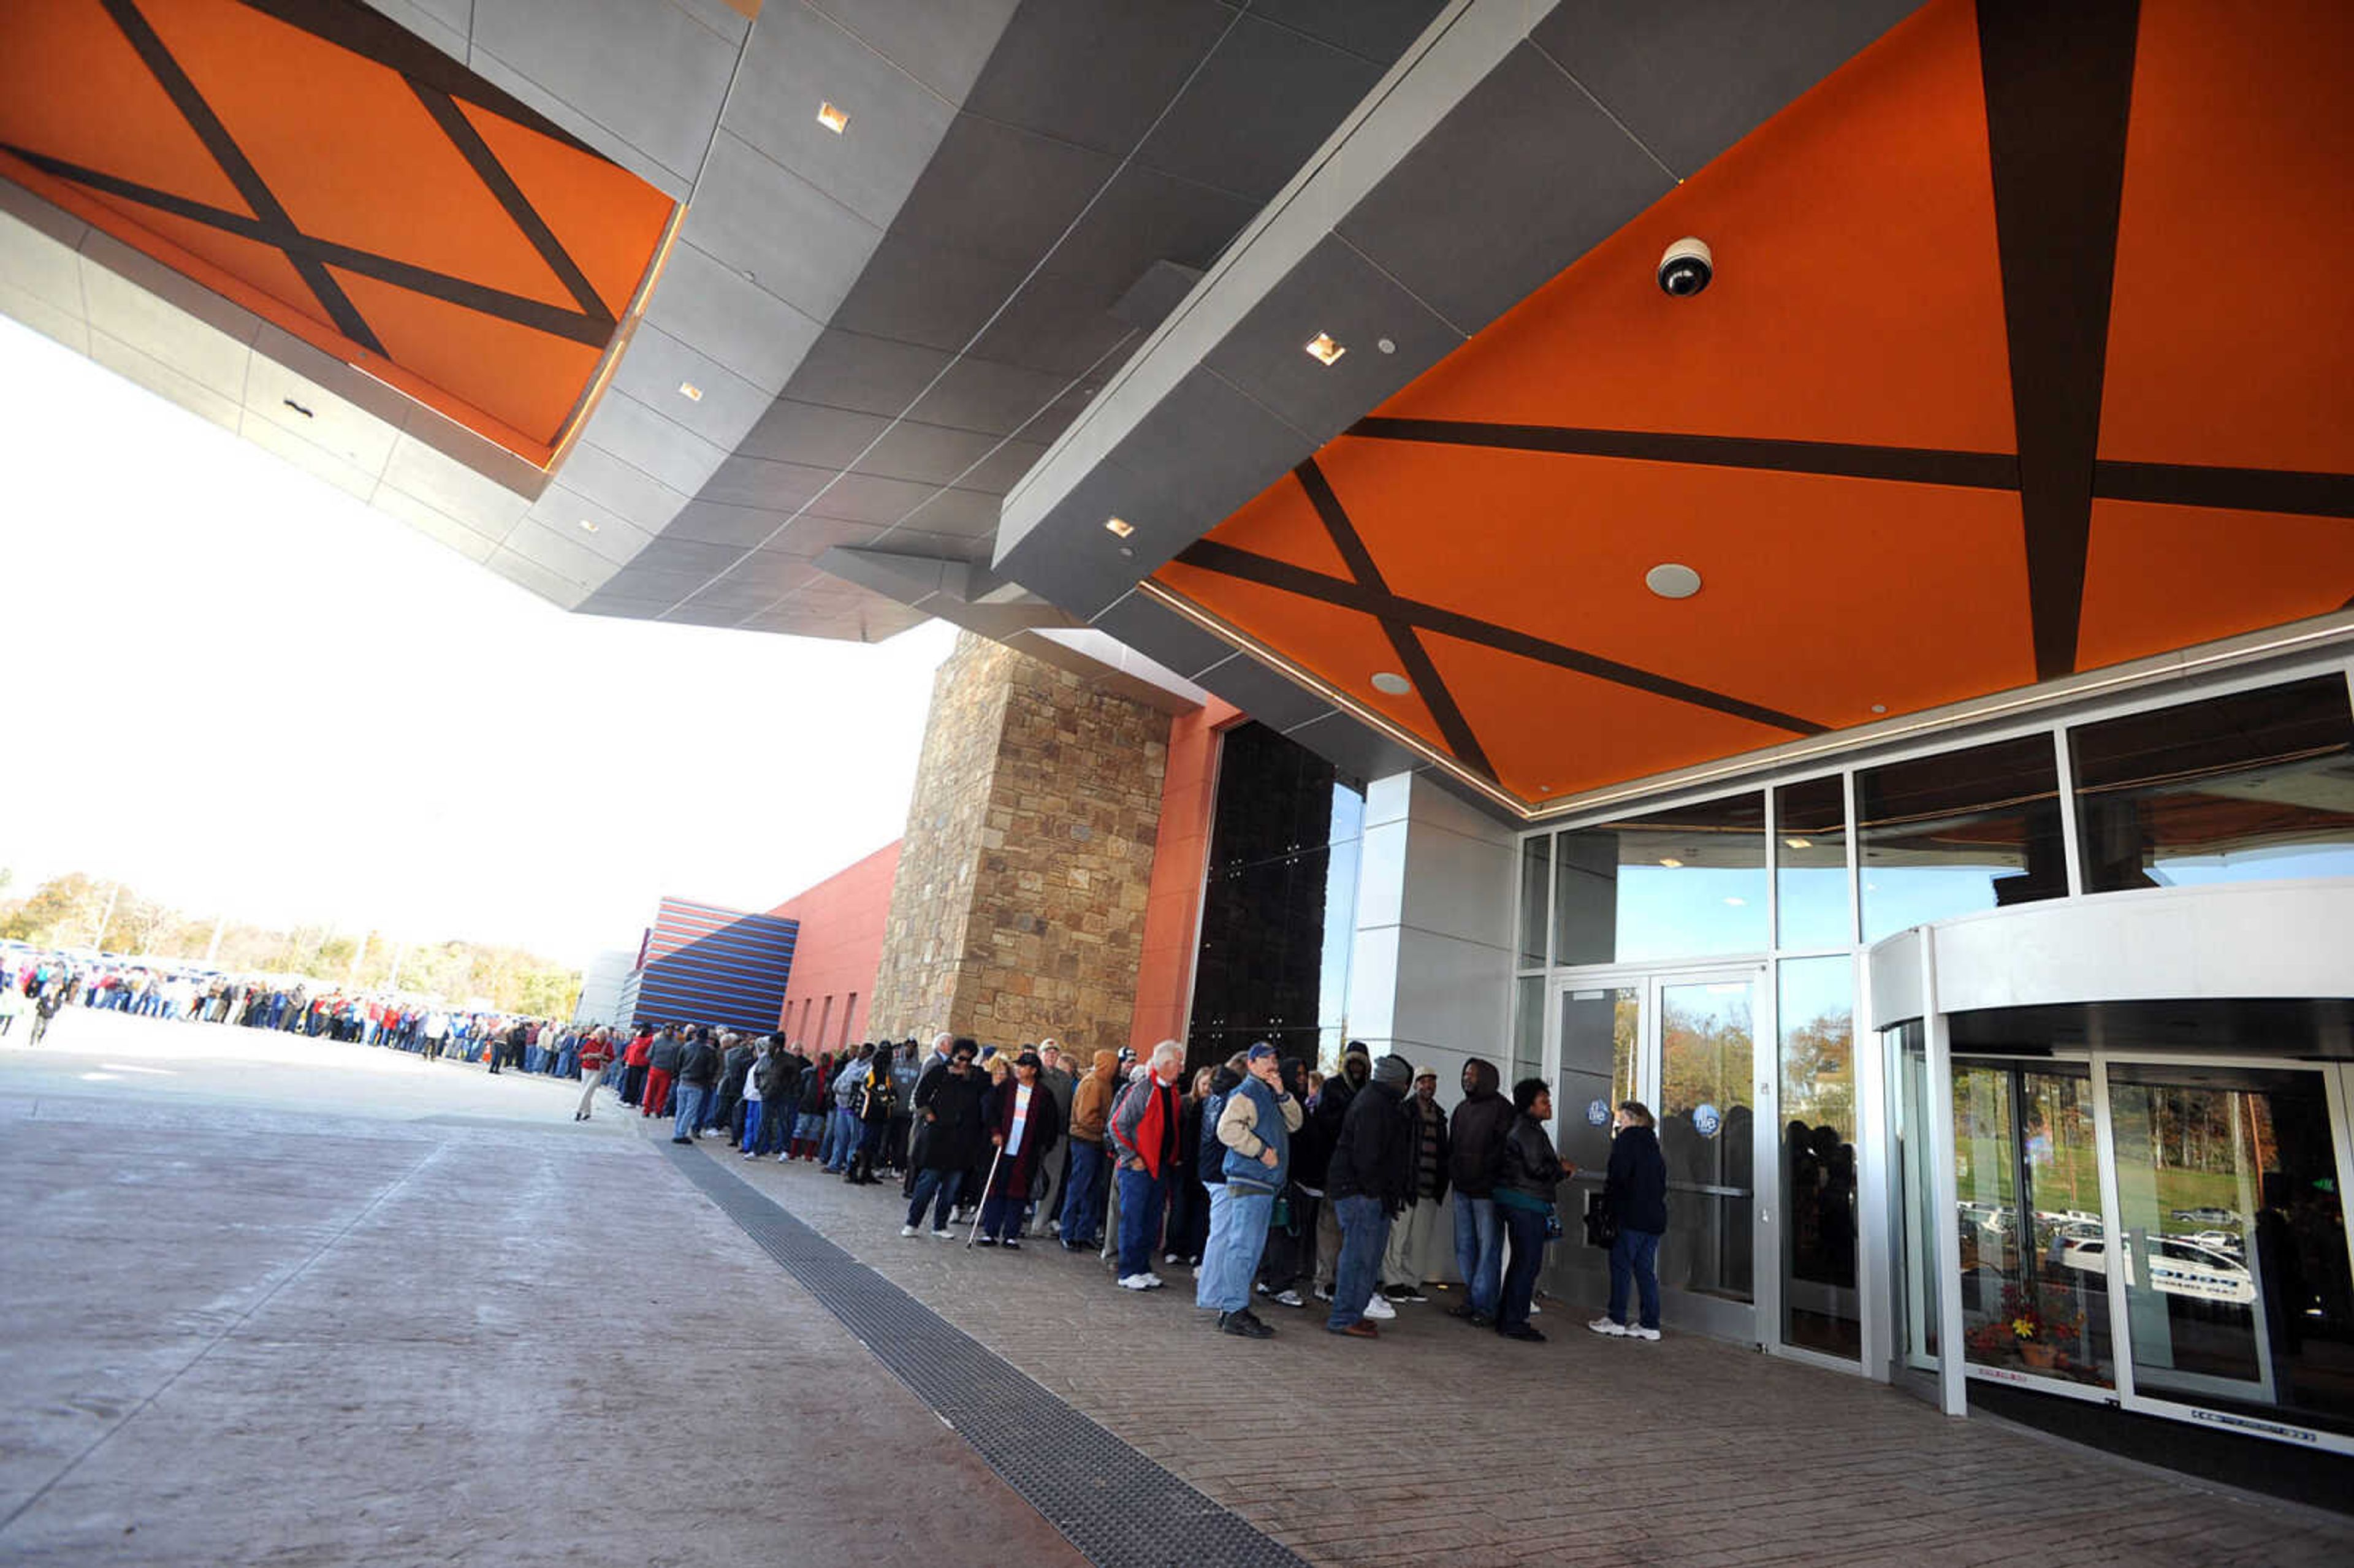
pixel 1164 979
pixel 841 947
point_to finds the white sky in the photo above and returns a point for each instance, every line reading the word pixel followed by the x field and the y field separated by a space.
pixel 240 689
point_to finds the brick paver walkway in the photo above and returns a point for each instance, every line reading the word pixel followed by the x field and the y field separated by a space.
pixel 1441 1445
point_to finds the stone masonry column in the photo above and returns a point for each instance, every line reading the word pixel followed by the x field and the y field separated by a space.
pixel 1018 909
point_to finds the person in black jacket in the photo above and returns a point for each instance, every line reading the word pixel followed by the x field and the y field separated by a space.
pixel 1371 1181
pixel 698 1075
pixel 1637 1194
pixel 1403 1260
pixel 1475 1153
pixel 1329 1109
pixel 949 1109
pixel 1525 1181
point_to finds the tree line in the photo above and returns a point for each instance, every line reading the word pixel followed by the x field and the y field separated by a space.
pixel 78 910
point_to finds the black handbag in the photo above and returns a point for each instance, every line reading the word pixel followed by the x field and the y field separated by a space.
pixel 1601 1224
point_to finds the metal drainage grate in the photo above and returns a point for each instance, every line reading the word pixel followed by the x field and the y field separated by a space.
pixel 1118 1508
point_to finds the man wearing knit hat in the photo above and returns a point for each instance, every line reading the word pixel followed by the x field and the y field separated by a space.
pixel 1371 1181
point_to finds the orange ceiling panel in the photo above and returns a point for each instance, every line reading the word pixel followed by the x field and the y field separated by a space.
pixel 2231 341
pixel 1549 731
pixel 326 113
pixel 2160 577
pixel 335 176
pixel 1931 578
pixel 1345 647
pixel 1281 524
pixel 1858 294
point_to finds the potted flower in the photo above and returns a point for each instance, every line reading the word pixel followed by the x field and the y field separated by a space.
pixel 2025 1327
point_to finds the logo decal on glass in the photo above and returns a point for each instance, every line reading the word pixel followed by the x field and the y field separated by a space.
pixel 1598 1113
pixel 1705 1120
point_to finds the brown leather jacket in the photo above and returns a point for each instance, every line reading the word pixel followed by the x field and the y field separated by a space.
pixel 1091 1101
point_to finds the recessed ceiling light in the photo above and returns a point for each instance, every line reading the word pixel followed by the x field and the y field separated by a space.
pixel 1880 707
pixel 1670 580
pixel 585 524
pixel 690 391
pixel 1671 863
pixel 1392 684
pixel 1322 349
pixel 1119 528
pixel 834 120
pixel 1386 344
pixel 1127 549
pixel 1800 843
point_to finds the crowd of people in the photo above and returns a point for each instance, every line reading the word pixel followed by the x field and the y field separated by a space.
pixel 1274 1183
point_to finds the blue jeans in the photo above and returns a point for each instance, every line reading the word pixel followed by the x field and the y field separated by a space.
pixel 1141 1198
pixel 1528 1231
pixel 1635 1254
pixel 1081 1187
pixel 1364 1231
pixel 927 1183
pixel 690 1098
pixel 1479 1250
pixel 1239 1219
pixel 751 1139
pixel 840 1140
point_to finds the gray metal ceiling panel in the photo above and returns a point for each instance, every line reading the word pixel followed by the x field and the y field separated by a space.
pixel 1378 29
pixel 622 607
pixel 919 294
pixel 1000 191
pixel 656 364
pixel 755 215
pixel 1093 73
pixel 814 433
pixel 441 23
pixel 691 614
pixel 1205 444
pixel 1002 467
pixel 774 572
pixel 1334 291
pixel 755 482
pixel 667 101
pixel 1360 749
pixel 1069 559
pixel 660 447
pixel 1266 98
pixel 1162 635
pixel 1270 698
pixel 1054 325
pixel 799 60
pixel 664 585
pixel 741 597
pixel 942 46
pixel 1692 79
pixel 957 511
pixel 568 557
pixel 717 523
pixel 871 375
pixel 982 394
pixel 970 547
pixel 583 520
pixel 668 555
pixel 1145 215
pixel 868 498
pixel 620 487
pixel 928 454
pixel 809 537
pixel 1507 149
pixel 715 310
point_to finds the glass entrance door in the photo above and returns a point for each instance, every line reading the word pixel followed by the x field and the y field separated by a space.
pixel 2232 1242
pixel 1685 1044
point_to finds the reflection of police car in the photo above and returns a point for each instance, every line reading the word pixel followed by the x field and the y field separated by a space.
pixel 2178 1265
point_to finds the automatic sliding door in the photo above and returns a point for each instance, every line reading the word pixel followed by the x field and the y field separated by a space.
pixel 2232 1226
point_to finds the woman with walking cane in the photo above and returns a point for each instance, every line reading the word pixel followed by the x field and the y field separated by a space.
pixel 1023 1126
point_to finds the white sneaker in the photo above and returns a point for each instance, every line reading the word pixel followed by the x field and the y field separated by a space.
pixel 907 1230
pixel 1138 1282
pixel 1289 1298
pixel 1637 1332
pixel 944 1235
pixel 1153 1281
pixel 1534 1308
pixel 1323 1293
pixel 1378 1309
pixel 1612 1329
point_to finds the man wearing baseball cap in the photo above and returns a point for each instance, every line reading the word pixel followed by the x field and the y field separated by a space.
pixel 1255 1129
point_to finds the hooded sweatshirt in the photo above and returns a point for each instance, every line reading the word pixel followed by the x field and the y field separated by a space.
pixel 1476 1135
pixel 1374 1158
pixel 1091 1101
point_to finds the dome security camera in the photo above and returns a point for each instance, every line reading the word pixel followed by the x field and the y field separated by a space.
pixel 1686 268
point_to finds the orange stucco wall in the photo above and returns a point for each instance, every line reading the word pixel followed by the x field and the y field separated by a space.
pixel 1164 979
pixel 839 949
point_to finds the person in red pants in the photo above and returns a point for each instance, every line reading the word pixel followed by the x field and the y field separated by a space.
pixel 661 1067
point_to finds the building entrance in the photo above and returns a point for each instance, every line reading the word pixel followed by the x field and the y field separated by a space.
pixel 2163 1233
pixel 1685 1043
